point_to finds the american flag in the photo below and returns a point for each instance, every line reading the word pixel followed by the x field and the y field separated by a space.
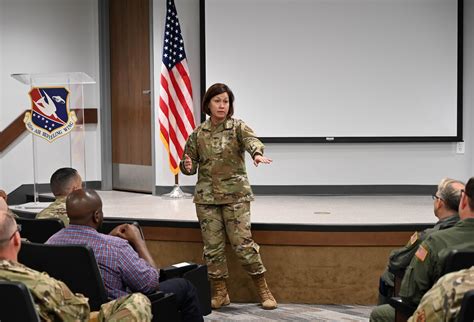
pixel 176 95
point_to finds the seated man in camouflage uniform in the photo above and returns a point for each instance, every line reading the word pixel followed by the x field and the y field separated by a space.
pixel 427 265
pixel 54 301
pixel 443 301
pixel 62 182
pixel 445 207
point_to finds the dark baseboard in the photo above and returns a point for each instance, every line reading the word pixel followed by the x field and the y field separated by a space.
pixel 323 190
pixel 24 193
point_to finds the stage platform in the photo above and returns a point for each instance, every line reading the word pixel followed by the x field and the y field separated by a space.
pixel 283 210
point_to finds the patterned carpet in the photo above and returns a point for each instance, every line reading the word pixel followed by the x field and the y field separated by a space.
pixel 290 312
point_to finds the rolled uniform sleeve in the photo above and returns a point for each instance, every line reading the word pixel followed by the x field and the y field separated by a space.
pixel 420 274
pixel 191 150
pixel 137 274
pixel 249 140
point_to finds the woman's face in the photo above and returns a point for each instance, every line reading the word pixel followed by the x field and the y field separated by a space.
pixel 219 107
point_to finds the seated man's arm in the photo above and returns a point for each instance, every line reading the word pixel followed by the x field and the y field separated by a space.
pixel 132 234
pixel 400 258
pixel 137 274
pixel 419 275
pixel 53 298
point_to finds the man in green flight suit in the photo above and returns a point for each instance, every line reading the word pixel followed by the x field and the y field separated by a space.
pixel 427 265
pixel 54 301
pixel 62 183
pixel 445 207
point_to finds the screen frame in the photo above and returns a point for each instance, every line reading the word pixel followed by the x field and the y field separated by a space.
pixel 375 139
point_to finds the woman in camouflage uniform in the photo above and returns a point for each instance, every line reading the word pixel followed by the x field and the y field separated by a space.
pixel 216 149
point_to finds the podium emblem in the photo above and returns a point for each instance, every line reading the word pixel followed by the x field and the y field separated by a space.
pixel 49 117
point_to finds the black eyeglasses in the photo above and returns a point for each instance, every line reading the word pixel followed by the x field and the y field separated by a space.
pixel 434 197
pixel 18 229
pixel 464 191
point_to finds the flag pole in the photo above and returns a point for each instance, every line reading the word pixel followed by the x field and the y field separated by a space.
pixel 176 192
pixel 175 113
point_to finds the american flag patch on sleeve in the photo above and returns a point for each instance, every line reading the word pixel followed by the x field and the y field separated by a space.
pixel 421 253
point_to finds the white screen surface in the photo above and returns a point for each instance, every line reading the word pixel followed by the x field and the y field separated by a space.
pixel 337 68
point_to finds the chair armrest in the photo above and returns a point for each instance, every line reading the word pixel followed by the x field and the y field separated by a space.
pixel 176 270
pixel 403 310
pixel 155 296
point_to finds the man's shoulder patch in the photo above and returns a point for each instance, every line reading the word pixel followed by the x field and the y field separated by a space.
pixel 421 253
pixel 414 238
pixel 420 316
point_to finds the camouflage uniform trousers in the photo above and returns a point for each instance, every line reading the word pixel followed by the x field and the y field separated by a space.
pixel 234 220
pixel 133 307
pixel 443 301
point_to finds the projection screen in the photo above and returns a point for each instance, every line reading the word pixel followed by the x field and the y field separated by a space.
pixel 339 70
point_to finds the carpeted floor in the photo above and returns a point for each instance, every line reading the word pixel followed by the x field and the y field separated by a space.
pixel 290 312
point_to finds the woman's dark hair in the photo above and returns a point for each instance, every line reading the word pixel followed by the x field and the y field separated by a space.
pixel 214 90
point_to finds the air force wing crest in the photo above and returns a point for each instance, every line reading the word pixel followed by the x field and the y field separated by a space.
pixel 49 116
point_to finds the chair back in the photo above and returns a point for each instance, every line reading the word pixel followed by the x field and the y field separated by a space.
pixel 39 230
pixel 466 314
pixel 75 265
pixel 17 304
pixel 457 260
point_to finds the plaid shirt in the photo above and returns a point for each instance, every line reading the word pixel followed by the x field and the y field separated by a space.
pixel 120 266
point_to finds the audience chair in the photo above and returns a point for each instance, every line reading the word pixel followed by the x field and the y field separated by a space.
pixel 457 260
pixel 454 261
pixel 77 267
pixel 197 275
pixel 466 314
pixel 17 304
pixel 39 230
pixel 397 283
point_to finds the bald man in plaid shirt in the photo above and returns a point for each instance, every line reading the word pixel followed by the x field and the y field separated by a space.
pixel 123 258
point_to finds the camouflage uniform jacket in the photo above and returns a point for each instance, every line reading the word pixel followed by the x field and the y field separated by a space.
pixel 53 299
pixel 428 263
pixel 400 258
pixel 55 210
pixel 443 301
pixel 218 154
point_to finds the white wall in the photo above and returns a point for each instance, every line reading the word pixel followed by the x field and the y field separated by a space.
pixel 45 36
pixel 338 164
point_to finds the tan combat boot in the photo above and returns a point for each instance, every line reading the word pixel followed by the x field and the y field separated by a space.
pixel 266 297
pixel 220 297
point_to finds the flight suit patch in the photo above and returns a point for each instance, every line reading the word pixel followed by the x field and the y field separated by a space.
pixel 421 253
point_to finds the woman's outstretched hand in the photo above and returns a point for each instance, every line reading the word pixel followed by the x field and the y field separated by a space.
pixel 188 163
pixel 261 159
